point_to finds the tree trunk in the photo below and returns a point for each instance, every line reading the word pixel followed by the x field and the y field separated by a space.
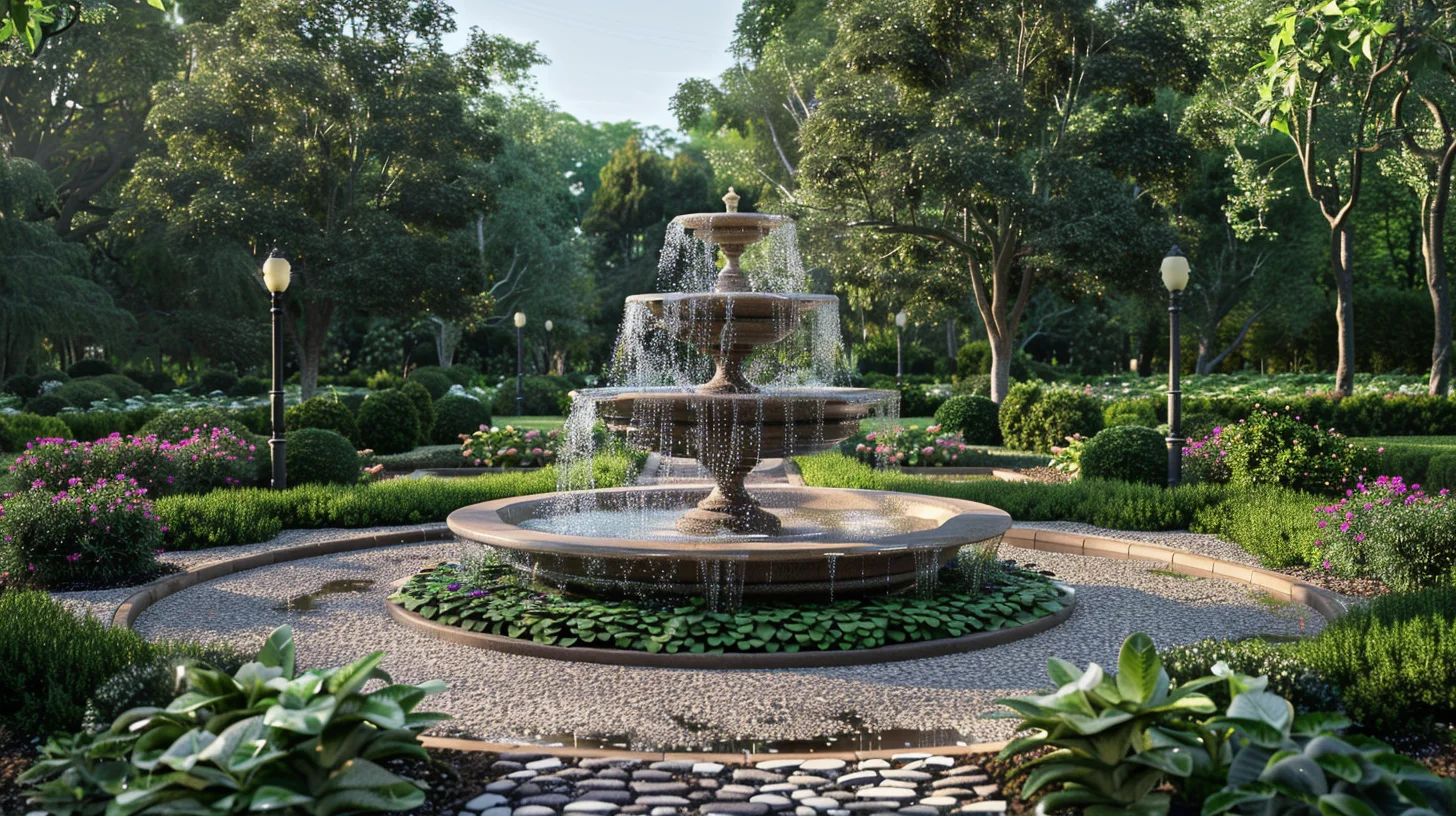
pixel 1205 349
pixel 317 314
pixel 1342 251
pixel 950 340
pixel 1433 246
pixel 447 339
pixel 1000 365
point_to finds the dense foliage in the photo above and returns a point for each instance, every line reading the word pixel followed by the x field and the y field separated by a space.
pixel 102 531
pixel 389 421
pixel 457 416
pixel 488 597
pixel 325 412
pixel 1035 416
pixel 1127 452
pixel 975 418
pixel 508 447
pixel 318 456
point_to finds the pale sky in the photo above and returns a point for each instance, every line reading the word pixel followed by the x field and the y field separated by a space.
pixel 612 60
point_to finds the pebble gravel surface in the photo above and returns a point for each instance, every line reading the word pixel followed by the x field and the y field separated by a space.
pixel 508 698
pixel 912 784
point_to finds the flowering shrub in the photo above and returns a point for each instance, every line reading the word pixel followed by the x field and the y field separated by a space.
pixel 1274 448
pixel 1393 531
pixel 914 447
pixel 209 458
pixel 99 531
pixel 508 447
pixel 1206 460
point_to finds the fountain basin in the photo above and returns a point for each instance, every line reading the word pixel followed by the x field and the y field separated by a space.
pixel 833 543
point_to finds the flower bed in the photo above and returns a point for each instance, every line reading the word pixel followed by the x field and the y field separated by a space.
pixel 511 448
pixel 209 458
pixel 1393 530
pixel 932 446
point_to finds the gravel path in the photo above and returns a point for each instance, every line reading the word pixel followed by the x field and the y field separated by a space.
pixel 506 698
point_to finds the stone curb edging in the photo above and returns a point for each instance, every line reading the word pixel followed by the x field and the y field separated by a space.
pixel 893 653
pixel 1281 586
pixel 126 614
pixel 745 758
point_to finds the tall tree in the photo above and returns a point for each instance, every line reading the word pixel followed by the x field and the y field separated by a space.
pixel 336 130
pixel 1423 113
pixel 1323 85
pixel 1020 142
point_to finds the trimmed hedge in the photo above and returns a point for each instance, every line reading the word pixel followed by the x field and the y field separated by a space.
pixel 1104 503
pixel 47 405
pixel 175 425
pixel 1394 661
pixel 230 517
pixel 54 661
pixel 319 456
pixel 1274 523
pixel 16 430
pixel 90 367
pixel 88 427
pixel 1359 415
pixel 1127 452
pixel 434 379
pixel 82 393
pixel 124 386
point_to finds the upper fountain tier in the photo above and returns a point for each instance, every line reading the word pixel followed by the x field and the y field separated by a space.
pixel 732 232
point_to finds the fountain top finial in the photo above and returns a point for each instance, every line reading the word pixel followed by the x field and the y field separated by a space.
pixel 731 199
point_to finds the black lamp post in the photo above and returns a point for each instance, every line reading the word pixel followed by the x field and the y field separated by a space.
pixel 1175 278
pixel 276 274
pixel 900 319
pixel 520 321
pixel 550 367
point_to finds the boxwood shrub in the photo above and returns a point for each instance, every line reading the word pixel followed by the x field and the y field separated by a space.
pixel 434 379
pixel 90 367
pixel 975 417
pixel 47 404
pixel 389 422
pixel 97 424
pixel 319 456
pixel 455 416
pixel 179 424
pixel 323 412
pixel 82 393
pixel 18 430
pixel 1127 452
pixel 124 386
pixel 1036 417
pixel 424 405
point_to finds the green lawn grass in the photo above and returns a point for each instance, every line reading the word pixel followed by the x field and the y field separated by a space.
pixel 530 423
pixel 1430 441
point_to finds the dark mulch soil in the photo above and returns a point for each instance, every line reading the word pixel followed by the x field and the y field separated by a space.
pixel 454 777
pixel 1353 587
pixel 16 755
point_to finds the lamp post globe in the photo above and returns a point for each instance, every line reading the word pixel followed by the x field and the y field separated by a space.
pixel 520 320
pixel 1175 273
pixel 277 273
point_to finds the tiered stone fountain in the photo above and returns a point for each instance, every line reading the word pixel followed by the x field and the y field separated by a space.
pixel 725 542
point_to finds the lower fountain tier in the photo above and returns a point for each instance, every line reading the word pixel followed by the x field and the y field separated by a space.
pixel 745 427
pixel 621 542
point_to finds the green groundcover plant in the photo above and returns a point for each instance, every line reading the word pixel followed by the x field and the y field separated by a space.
pixel 1115 742
pixel 265 738
pixel 1392 530
pixel 488 597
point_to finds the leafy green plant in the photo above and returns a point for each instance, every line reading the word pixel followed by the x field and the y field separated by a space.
pixel 318 456
pixel 1279 448
pixel 488 597
pixel 213 380
pixel 1128 452
pixel 389 422
pixel 104 531
pixel 19 430
pixel 542 395
pixel 1067 458
pixel 125 387
pixel 1271 522
pixel 90 367
pixel 975 418
pixel 1288 674
pixel 55 660
pixel 1137 411
pixel 156 680
pixel 97 424
pixel 915 447
pixel 326 412
pixel 1392 530
pixel 262 739
pixel 1113 740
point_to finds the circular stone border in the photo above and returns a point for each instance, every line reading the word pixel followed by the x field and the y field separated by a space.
pixel 892 653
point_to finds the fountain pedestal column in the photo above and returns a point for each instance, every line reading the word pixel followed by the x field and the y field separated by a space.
pixel 730 507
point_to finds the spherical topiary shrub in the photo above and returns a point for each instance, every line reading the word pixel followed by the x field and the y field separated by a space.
pixel 455 416
pixel 1129 453
pixel 388 422
pixel 47 405
pixel 1034 417
pixel 16 430
pixel 157 382
pixel 124 386
pixel 434 379
pixel 424 406
pixel 317 456
pixel 214 380
pixel 24 386
pixel 90 368
pixel 81 393
pixel 322 412
pixel 461 375
pixel 176 425
pixel 974 417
